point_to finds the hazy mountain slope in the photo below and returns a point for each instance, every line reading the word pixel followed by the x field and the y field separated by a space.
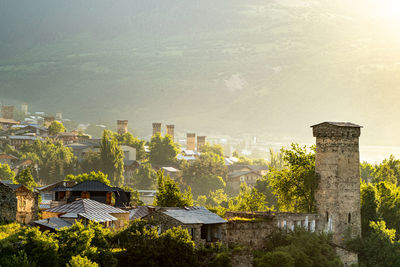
pixel 264 66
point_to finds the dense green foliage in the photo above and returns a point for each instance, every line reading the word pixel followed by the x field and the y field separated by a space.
pixel 6 173
pixel 144 177
pixel 216 149
pixel 388 170
pixel 112 158
pixel 93 176
pixel 169 194
pixel 56 127
pixel 297 249
pixel 25 178
pixel 54 160
pixel 163 151
pixel 207 173
pixel 144 246
pixel 249 199
pixel 294 185
pixel 129 140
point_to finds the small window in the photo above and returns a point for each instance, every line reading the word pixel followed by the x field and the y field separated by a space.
pixel 327 216
pixel 203 231
pixel 349 218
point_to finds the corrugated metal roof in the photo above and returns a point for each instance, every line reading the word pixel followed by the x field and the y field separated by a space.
pixel 193 215
pixel 139 212
pixel 86 206
pixel 53 223
pixel 98 217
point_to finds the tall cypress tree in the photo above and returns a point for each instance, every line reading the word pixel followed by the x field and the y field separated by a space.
pixel 112 158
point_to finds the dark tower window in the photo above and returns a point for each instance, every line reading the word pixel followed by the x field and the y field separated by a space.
pixel 349 219
pixel 327 216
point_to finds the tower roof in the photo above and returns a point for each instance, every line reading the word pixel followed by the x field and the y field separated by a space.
pixel 338 124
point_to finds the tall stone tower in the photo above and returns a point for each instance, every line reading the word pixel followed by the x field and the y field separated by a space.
pixel 122 126
pixel 337 164
pixel 156 128
pixel 190 141
pixel 24 109
pixel 201 141
pixel 7 112
pixel 171 131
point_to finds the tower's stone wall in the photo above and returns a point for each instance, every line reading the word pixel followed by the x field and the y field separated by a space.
pixel 201 141
pixel 156 128
pixel 7 112
pixel 122 126
pixel 190 141
pixel 337 164
pixel 171 131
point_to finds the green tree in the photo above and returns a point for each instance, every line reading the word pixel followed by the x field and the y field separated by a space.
pixel 78 261
pixel 25 178
pixel 249 199
pixel 216 149
pixel 129 140
pixel 369 206
pixel 56 127
pixel 163 151
pixel 298 248
pixel 144 177
pixel 169 193
pixel 93 176
pixel 207 173
pixel 6 173
pixel 389 204
pixel 54 161
pixel 385 173
pixel 367 172
pixel 276 160
pixel 112 158
pixel 41 248
pixel 90 162
pixel 295 185
pixel 378 248
pixel 142 245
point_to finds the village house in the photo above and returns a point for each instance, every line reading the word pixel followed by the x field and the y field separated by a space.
pixel 8 159
pixel 204 226
pixel 68 191
pixel 171 172
pixel 248 177
pixel 86 210
pixel 26 208
pixel 7 123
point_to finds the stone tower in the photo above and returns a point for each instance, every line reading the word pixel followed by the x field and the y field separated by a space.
pixel 24 109
pixel 122 126
pixel 171 131
pixel 337 164
pixel 156 128
pixel 7 112
pixel 201 141
pixel 190 141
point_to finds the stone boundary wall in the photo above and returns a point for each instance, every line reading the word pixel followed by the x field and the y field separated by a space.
pixel 251 229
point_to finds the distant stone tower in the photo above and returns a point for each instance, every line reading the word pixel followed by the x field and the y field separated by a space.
pixel 7 112
pixel 58 116
pixel 122 126
pixel 24 109
pixel 337 163
pixel 171 131
pixel 201 141
pixel 190 141
pixel 156 128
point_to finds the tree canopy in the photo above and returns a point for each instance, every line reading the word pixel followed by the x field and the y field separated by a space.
pixel 169 193
pixel 6 173
pixel 92 176
pixel 56 127
pixel 295 185
pixel 112 158
pixel 163 151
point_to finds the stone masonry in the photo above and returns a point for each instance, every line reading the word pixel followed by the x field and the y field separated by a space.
pixel 156 128
pixel 190 141
pixel 122 126
pixel 8 204
pixel 338 194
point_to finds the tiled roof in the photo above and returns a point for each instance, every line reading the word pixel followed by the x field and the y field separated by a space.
pixel 193 215
pixel 53 223
pixel 86 206
pixel 339 124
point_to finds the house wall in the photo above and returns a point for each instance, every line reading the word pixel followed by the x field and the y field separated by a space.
pixel 123 219
pixel 8 204
pixel 27 205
